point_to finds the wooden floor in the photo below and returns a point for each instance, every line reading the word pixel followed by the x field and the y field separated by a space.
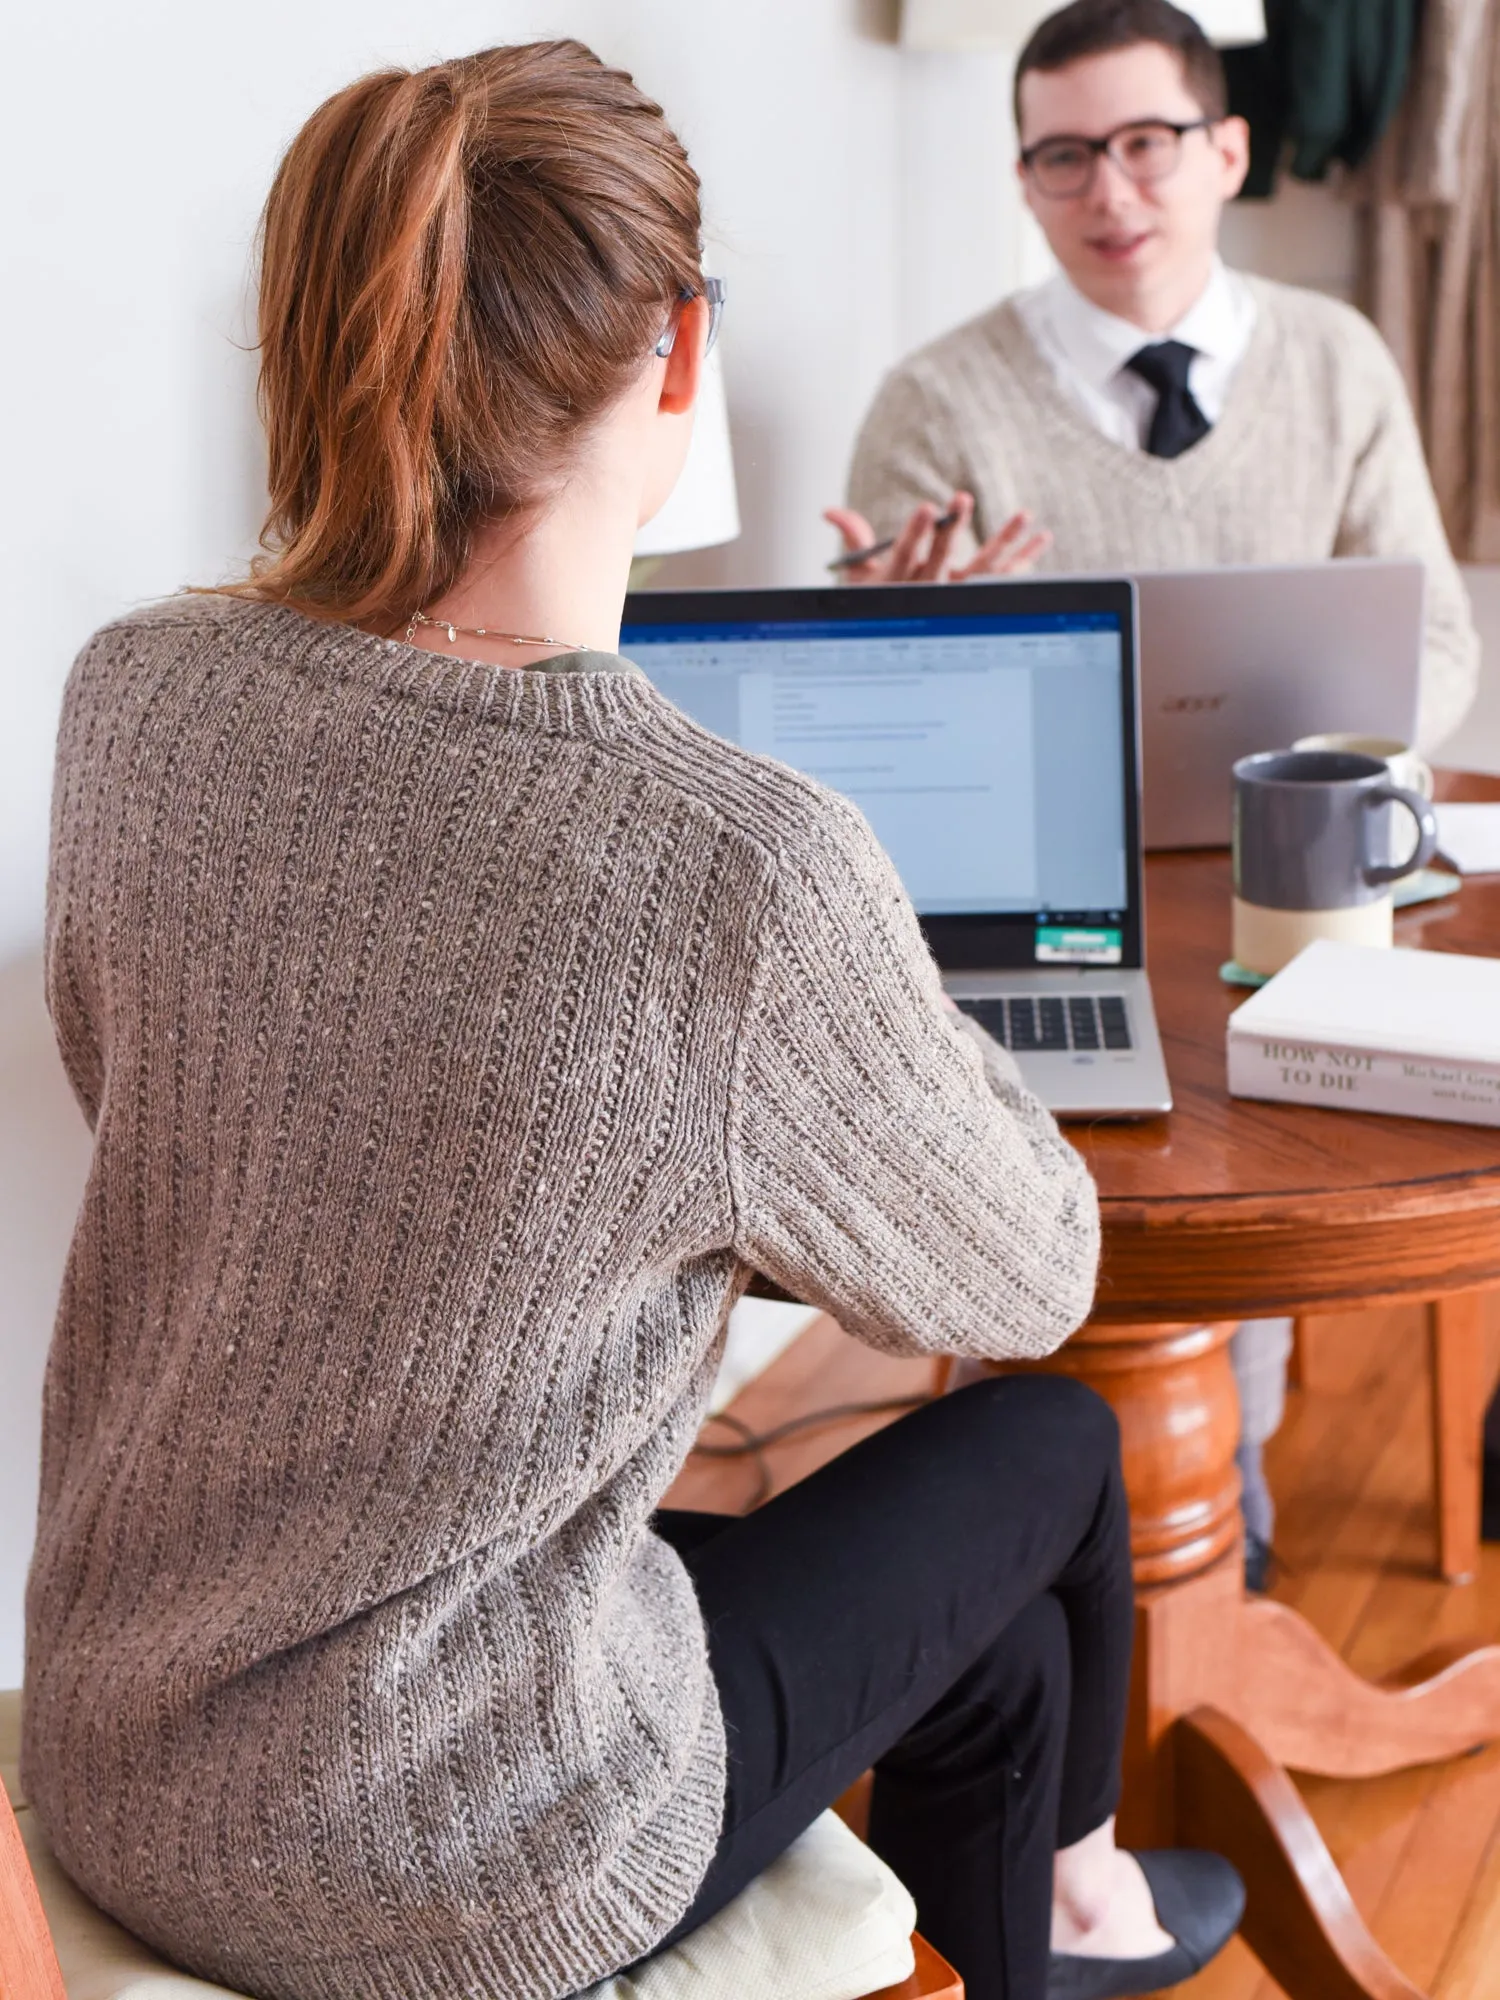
pixel 1351 1472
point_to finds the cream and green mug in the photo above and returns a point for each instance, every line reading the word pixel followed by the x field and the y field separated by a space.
pixel 1407 769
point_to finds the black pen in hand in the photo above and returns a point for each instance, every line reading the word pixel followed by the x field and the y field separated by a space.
pixel 854 557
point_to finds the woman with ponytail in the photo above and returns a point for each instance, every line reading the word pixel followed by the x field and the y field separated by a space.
pixel 459 1027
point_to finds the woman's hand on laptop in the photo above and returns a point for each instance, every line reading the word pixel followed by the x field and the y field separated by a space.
pixel 920 552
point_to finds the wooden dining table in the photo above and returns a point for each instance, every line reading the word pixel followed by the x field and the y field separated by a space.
pixel 1227 1210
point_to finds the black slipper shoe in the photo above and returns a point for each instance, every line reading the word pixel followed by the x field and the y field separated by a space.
pixel 1199 1902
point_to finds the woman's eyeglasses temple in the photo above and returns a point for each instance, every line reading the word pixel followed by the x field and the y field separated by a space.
pixel 712 290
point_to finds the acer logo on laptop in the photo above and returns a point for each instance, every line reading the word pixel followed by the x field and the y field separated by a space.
pixel 1193 704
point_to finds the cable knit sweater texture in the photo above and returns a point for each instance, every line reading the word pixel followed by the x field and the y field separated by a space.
pixel 1316 454
pixel 455 1040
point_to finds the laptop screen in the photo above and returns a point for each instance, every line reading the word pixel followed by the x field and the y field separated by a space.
pixel 989 749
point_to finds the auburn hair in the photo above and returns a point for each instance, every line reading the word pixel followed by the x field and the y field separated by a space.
pixel 1097 27
pixel 461 268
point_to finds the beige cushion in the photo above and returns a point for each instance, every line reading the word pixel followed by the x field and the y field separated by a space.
pixel 828 1921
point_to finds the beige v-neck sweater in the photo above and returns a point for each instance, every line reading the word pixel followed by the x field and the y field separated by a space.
pixel 1316 454
pixel 456 1040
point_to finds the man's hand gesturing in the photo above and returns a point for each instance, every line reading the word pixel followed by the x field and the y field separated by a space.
pixel 920 553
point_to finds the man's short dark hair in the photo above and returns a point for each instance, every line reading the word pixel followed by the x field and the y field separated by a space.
pixel 1095 27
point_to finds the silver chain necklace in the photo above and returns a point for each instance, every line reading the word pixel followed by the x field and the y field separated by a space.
pixel 483 632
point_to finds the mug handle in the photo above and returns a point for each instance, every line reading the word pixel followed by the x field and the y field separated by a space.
pixel 1427 833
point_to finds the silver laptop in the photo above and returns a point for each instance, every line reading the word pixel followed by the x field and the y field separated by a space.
pixel 989 735
pixel 1241 659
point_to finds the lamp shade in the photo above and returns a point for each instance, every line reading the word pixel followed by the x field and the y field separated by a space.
pixel 702 509
pixel 1005 24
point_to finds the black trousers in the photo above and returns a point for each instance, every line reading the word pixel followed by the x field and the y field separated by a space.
pixel 951 1603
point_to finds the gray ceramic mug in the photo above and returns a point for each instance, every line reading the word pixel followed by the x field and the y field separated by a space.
pixel 1309 862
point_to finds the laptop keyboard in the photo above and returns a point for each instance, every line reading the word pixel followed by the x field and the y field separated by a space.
pixel 1082 1021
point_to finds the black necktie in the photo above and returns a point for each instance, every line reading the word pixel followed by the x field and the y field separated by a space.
pixel 1178 423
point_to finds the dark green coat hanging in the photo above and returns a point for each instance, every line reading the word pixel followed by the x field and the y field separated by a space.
pixel 1327 79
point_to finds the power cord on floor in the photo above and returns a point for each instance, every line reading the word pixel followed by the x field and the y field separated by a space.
pixel 755 1444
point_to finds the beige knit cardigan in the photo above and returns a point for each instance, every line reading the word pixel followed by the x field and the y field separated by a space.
pixel 1316 454
pixel 456 1040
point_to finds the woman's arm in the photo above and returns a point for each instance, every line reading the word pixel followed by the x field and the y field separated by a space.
pixel 889 1166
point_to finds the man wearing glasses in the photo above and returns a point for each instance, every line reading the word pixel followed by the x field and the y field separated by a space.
pixel 1147 407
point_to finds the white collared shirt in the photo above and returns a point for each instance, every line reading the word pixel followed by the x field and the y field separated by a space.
pixel 1087 350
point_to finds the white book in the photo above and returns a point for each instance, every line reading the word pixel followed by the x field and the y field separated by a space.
pixel 1352 1027
pixel 1469 835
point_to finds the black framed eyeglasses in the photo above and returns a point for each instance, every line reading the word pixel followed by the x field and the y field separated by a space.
pixel 711 289
pixel 1146 150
